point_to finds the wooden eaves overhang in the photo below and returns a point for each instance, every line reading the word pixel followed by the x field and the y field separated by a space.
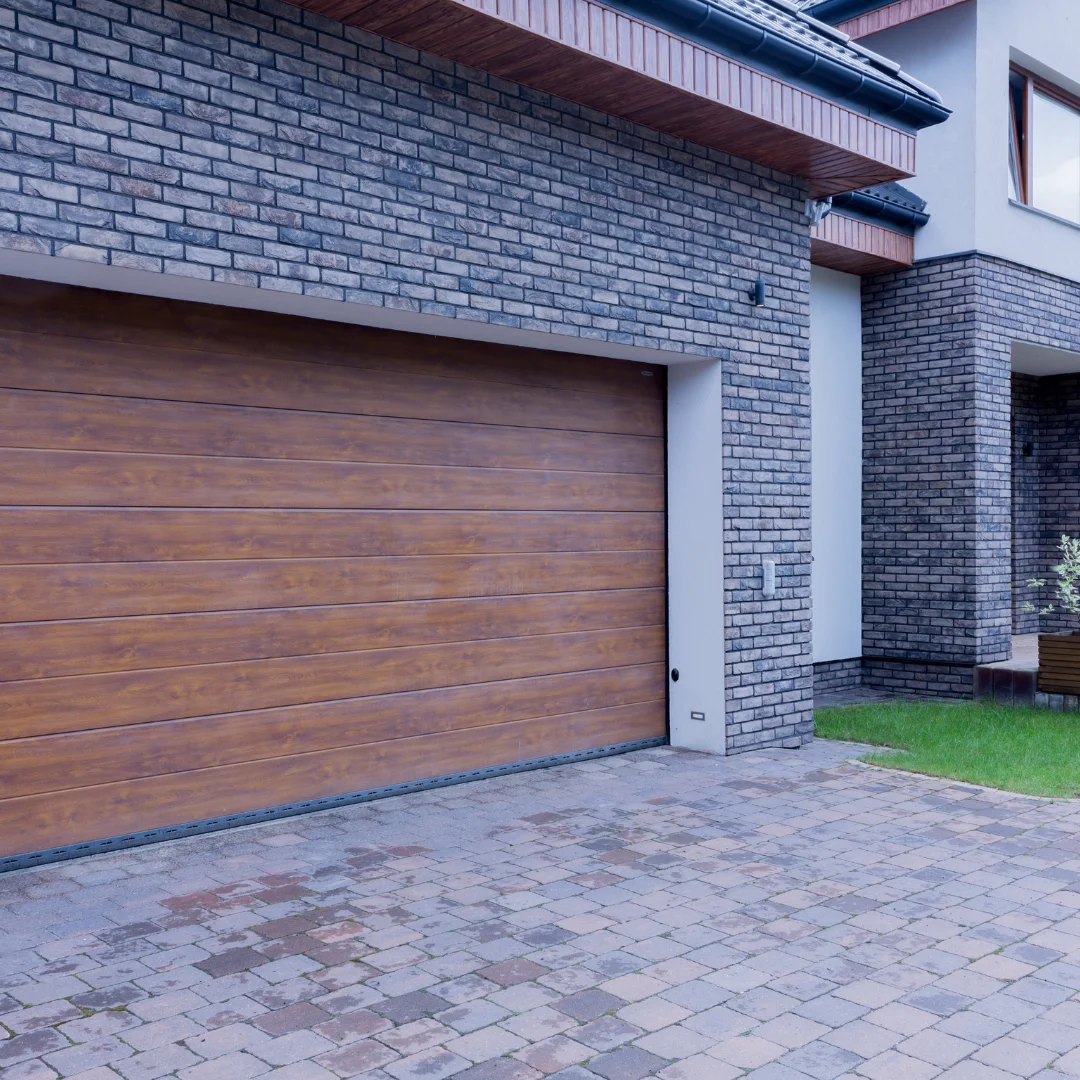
pixel 615 63
pixel 854 246
pixel 861 18
pixel 869 232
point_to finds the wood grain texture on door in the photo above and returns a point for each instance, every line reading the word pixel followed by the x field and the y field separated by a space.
pixel 248 560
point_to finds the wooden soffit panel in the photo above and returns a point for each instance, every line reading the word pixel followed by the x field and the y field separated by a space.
pixel 859 247
pixel 903 11
pixel 611 62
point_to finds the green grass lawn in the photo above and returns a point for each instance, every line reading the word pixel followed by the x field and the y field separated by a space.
pixel 1032 751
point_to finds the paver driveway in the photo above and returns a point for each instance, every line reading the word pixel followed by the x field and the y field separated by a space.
pixel 780 914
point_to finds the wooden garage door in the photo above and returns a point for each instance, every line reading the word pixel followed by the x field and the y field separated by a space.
pixel 247 560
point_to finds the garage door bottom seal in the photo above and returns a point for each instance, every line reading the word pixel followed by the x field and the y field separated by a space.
pixel 310 806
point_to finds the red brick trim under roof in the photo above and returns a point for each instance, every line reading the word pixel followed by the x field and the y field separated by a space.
pixel 885 18
pixel 859 247
pixel 609 61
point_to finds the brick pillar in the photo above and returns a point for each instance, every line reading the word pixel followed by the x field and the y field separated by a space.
pixel 940 440
pixel 769 673
pixel 936 498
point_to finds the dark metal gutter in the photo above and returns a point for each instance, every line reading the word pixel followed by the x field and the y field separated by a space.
pixel 863 204
pixel 737 36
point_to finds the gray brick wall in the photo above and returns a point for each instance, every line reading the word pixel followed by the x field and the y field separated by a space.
pixel 1058 451
pixel 1046 490
pixel 937 506
pixel 915 678
pixel 1028 555
pixel 832 675
pixel 256 144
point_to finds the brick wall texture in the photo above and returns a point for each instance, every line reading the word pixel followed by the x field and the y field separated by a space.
pixel 915 678
pixel 938 446
pixel 1027 540
pixel 833 675
pixel 256 144
pixel 1046 490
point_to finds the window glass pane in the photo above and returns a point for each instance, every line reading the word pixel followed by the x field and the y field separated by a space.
pixel 1055 152
pixel 1014 161
pixel 1017 89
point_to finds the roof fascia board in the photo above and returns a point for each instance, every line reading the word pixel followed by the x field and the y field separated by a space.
pixel 895 13
pixel 844 243
pixel 729 34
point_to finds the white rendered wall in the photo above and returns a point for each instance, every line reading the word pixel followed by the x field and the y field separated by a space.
pixel 939 49
pixel 1043 35
pixel 836 469
pixel 963 165
pixel 696 556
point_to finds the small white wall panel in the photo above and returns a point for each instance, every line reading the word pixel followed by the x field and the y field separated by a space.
pixel 836 472
pixel 696 557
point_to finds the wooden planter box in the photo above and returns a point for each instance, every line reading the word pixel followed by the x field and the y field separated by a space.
pixel 1059 663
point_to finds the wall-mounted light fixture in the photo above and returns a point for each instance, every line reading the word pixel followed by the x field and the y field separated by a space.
pixel 757 293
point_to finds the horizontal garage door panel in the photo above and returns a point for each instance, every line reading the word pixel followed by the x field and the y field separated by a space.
pixel 72 478
pixel 83 646
pixel 148 321
pixel 33 419
pixel 112 589
pixel 249 561
pixel 46 820
pixel 99 757
pixel 87 535
pixel 95 367
pixel 113 699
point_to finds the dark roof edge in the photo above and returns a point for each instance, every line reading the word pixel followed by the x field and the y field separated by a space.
pixel 736 36
pixel 835 11
pixel 870 207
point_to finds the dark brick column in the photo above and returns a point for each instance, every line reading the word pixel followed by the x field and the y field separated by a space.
pixel 1046 489
pixel 1027 533
pixel 938 453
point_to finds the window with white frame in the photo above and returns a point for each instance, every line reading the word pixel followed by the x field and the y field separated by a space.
pixel 1044 146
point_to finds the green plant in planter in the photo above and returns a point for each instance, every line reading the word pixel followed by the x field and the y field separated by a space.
pixel 1067 589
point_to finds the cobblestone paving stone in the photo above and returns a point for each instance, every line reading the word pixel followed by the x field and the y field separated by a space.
pixel 782 915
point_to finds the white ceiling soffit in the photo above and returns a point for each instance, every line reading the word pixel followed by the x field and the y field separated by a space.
pixel 1040 360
